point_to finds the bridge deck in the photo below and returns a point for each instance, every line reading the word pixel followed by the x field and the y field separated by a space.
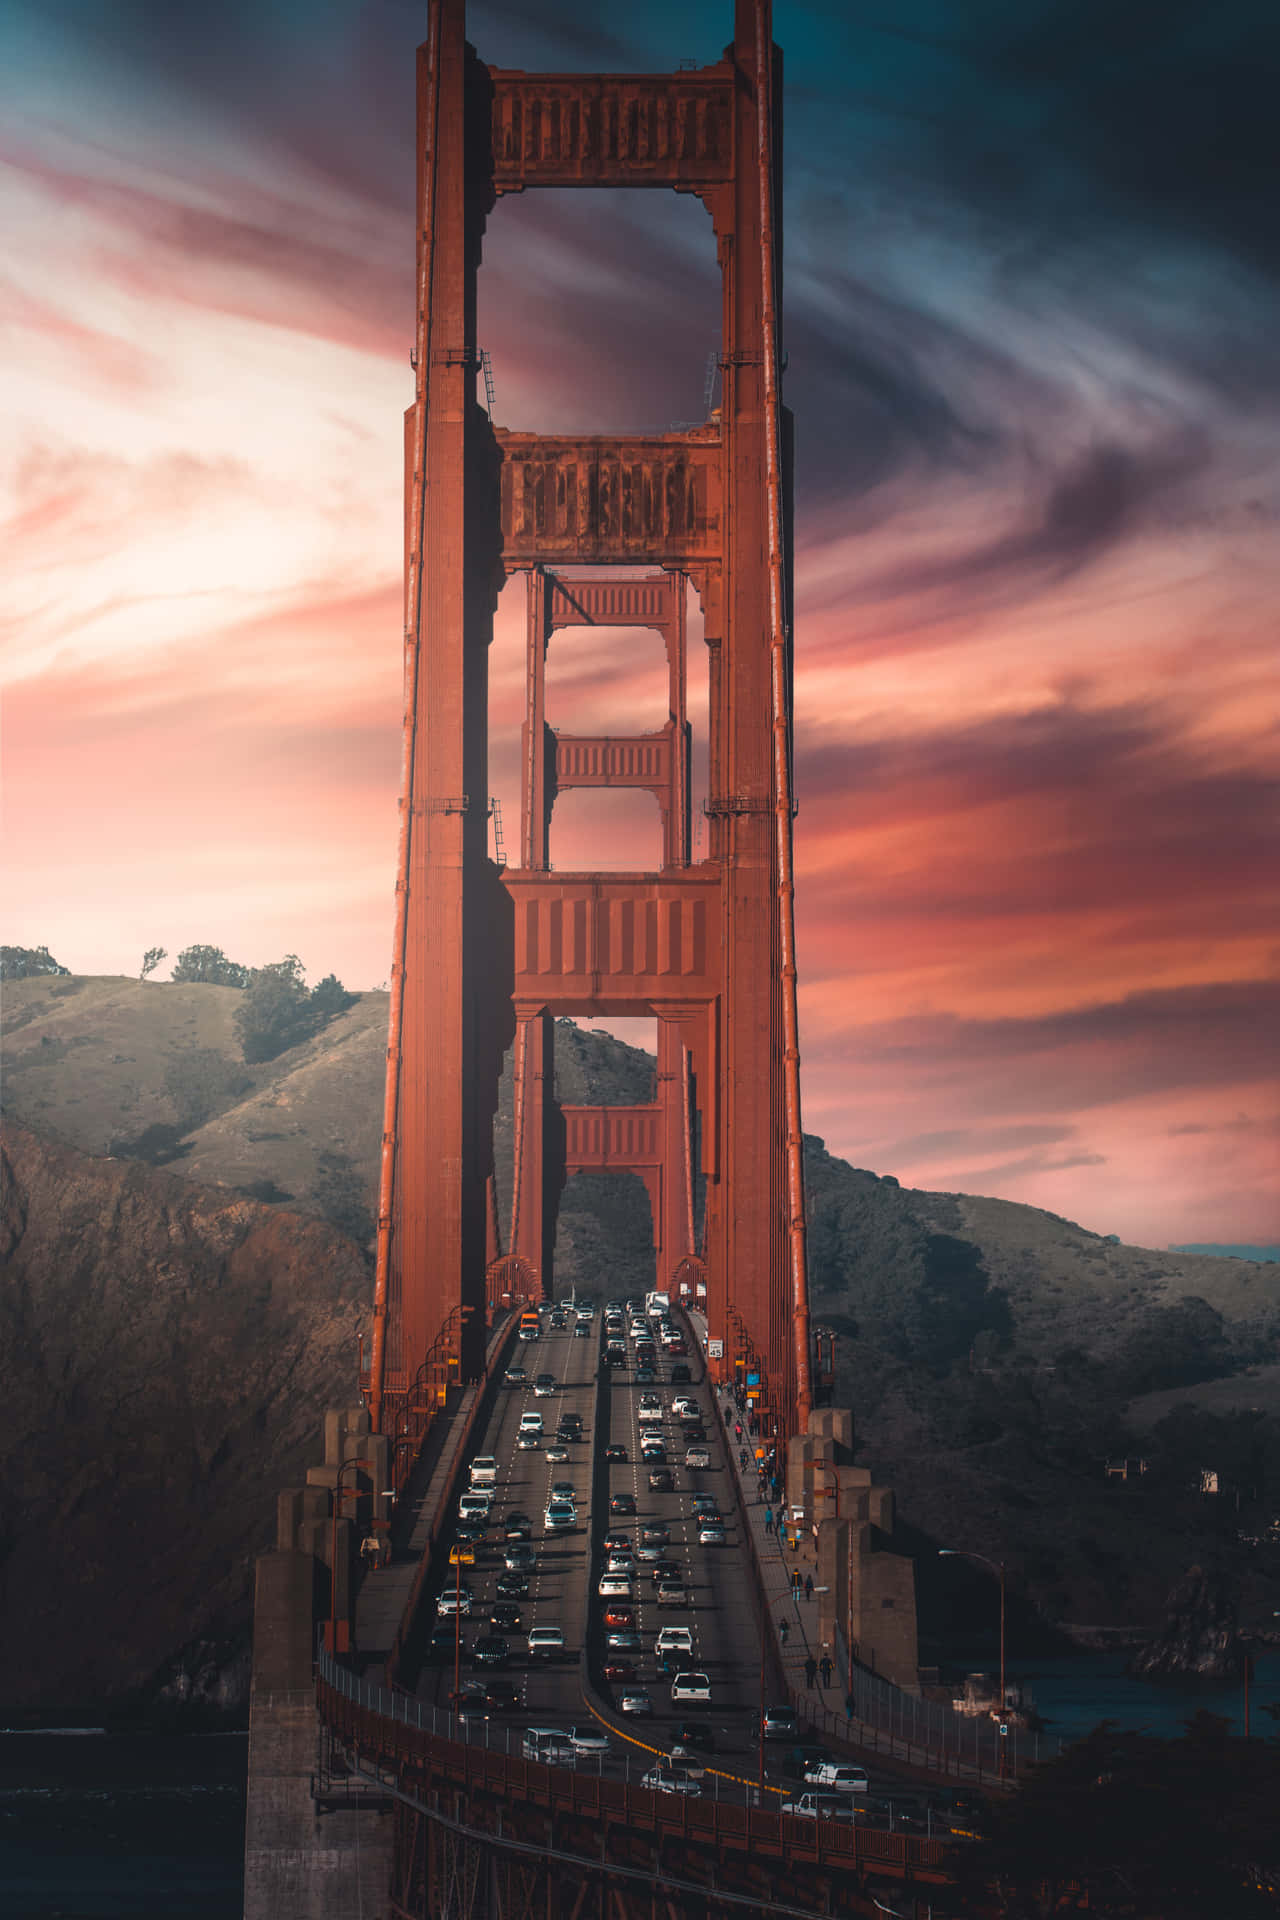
pixel 562 1584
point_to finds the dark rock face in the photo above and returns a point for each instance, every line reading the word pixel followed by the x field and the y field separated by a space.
pixel 1200 1638
pixel 166 1352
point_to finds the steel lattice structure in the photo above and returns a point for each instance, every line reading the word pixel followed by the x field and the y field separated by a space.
pixel 487 957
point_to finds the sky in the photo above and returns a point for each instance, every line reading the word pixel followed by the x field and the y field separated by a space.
pixel 1033 338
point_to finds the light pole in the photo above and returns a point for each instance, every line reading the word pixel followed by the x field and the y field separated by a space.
pixel 997 1567
pixel 338 1491
pixel 457 1628
pixel 832 1490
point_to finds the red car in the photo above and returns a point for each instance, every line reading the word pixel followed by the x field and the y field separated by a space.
pixel 620 1670
pixel 617 1615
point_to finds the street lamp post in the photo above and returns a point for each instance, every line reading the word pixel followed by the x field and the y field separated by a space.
pixel 338 1491
pixel 457 1629
pixel 832 1490
pixel 997 1567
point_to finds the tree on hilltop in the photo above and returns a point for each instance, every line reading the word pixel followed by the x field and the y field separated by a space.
pixel 27 963
pixel 278 1012
pixel 151 960
pixel 208 967
pixel 330 997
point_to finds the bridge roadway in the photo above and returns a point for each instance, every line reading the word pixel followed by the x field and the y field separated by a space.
pixel 562 1584
pixel 482 1831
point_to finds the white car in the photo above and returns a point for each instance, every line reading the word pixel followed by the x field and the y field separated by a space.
pixel 691 1686
pixel 697 1457
pixel 674 1640
pixel 623 1563
pixel 623 1640
pixel 454 1600
pixel 670 1780
pixel 615 1586
pixel 483 1471
pixel 561 1516
pixel 545 1642
pixel 682 1404
pixel 531 1422
pixel 588 1739
pixel 635 1700
pixel 712 1534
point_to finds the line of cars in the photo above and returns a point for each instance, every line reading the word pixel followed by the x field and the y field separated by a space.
pixel 481 1532
pixel 648 1557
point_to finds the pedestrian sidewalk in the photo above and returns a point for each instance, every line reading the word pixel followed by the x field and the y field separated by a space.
pixel 386 1592
pixel 776 1567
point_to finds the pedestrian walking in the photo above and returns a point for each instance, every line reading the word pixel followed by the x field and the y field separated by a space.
pixel 737 1434
pixel 795 1579
pixel 849 1704
pixel 808 1586
pixel 370 1551
pixel 825 1666
pixel 784 1628
pixel 810 1671
pixel 768 1519
pixel 742 1456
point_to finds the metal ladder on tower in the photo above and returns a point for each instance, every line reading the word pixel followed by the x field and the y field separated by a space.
pixel 499 852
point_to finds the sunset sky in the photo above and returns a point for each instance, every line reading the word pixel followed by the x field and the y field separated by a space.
pixel 1034 335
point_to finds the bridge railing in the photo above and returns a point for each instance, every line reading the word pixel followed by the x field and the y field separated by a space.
pixel 395 1731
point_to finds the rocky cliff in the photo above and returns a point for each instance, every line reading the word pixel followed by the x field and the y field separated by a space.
pixel 165 1351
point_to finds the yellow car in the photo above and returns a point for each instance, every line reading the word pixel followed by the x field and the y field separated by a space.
pixel 462 1556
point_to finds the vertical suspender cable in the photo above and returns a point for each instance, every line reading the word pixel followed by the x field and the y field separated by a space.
pixel 781 726
pixel 412 661
pixel 686 1135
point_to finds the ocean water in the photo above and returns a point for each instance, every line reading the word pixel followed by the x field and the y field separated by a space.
pixel 1073 1693
pixel 98 1825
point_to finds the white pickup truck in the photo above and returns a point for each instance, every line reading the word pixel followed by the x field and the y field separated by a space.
pixel 838 1776
pixel 821 1806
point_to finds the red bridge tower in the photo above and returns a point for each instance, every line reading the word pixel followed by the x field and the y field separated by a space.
pixel 486 957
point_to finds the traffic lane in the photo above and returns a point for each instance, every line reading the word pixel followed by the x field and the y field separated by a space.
pixel 522 1484
pixel 557 1593
pixel 709 1574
